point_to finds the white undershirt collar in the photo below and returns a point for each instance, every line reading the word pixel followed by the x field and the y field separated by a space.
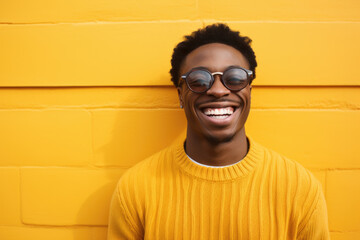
pixel 209 166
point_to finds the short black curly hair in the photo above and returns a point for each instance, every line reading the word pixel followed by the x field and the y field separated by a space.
pixel 215 33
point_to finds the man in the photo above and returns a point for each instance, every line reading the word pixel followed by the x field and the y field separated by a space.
pixel 219 184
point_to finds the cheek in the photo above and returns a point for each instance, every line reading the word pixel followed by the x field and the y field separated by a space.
pixel 246 100
pixel 189 100
pixel 188 97
pixel 188 103
pixel 246 95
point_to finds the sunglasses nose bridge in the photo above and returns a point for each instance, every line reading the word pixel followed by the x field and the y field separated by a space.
pixel 214 74
pixel 217 88
pixel 217 75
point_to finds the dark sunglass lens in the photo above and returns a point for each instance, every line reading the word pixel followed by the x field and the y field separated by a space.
pixel 235 78
pixel 199 80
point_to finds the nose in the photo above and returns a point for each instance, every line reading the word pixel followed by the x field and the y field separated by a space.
pixel 218 89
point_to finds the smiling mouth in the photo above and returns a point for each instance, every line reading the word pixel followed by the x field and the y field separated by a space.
pixel 218 113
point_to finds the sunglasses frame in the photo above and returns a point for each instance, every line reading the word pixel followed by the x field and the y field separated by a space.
pixel 249 74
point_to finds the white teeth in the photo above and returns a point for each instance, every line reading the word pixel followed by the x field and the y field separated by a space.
pixel 219 113
pixel 220 116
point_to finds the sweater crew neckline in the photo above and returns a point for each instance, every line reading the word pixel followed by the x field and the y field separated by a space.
pixel 226 173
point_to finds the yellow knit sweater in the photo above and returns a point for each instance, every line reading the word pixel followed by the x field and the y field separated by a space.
pixel 264 196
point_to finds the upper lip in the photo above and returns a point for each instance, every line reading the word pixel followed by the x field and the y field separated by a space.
pixel 218 104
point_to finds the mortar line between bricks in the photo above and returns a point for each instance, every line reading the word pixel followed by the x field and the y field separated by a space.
pixel 334 169
pixel 103 22
pixel 178 21
pixel 34 225
pixel 262 86
pixel 309 109
pixel 87 167
pixel 343 169
pixel 298 21
pixel 85 108
pixel 315 109
pixel 55 226
pixel 95 167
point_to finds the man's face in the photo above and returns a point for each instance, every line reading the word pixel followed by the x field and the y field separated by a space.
pixel 218 114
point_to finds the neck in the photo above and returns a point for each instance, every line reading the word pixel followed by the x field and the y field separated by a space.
pixel 213 153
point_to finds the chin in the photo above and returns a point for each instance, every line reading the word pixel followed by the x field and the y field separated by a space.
pixel 220 139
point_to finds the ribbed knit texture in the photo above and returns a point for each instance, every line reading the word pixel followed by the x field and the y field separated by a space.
pixel 264 196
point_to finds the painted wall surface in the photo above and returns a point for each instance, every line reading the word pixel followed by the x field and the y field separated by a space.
pixel 85 94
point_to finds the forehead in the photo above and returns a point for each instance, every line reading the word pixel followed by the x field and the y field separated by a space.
pixel 215 57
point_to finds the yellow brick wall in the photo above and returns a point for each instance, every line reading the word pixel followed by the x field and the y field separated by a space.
pixel 76 111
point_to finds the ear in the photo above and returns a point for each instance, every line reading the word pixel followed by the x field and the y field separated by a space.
pixel 179 90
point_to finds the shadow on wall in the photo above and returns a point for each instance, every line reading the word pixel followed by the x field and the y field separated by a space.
pixel 122 138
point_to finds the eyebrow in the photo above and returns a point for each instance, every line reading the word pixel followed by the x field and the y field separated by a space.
pixel 205 68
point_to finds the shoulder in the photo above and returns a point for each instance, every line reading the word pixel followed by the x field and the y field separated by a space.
pixel 147 169
pixel 290 177
pixel 127 215
pixel 288 169
pixel 135 185
pixel 298 186
pixel 295 183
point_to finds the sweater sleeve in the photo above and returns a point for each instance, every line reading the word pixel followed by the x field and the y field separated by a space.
pixel 121 223
pixel 316 227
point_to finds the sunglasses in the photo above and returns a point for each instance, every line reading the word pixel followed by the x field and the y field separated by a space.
pixel 199 80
